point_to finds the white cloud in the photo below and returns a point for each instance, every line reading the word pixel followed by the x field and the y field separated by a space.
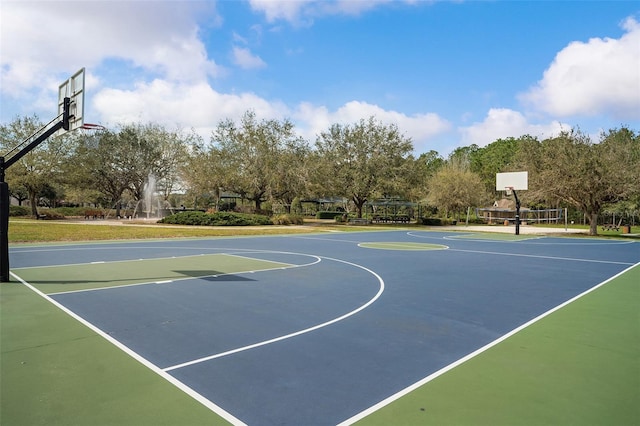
pixel 502 123
pixel 421 128
pixel 247 60
pixel 274 10
pixel 200 107
pixel 302 12
pixel 195 106
pixel 45 42
pixel 601 76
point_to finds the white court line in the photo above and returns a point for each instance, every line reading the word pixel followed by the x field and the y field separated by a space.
pixel 115 261
pixel 464 359
pixel 177 279
pixel 543 257
pixel 180 385
pixel 529 241
pixel 297 333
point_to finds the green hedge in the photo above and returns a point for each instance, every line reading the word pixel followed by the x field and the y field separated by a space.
pixel 328 215
pixel 216 219
pixel 70 211
pixel 19 211
pixel 436 221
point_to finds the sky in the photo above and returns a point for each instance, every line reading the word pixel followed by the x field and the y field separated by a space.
pixel 447 73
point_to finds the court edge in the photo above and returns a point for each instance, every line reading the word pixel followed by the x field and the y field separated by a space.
pixel 475 353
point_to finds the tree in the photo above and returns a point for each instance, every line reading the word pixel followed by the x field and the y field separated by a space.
pixel 423 169
pixel 494 158
pixel 38 168
pixel 258 159
pixel 102 161
pixel 361 161
pixel 202 173
pixel 20 193
pixel 455 187
pixel 581 173
pixel 113 162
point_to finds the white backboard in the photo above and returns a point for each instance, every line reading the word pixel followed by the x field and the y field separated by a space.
pixel 513 180
pixel 73 88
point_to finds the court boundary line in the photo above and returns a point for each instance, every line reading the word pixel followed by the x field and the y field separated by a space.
pixel 494 237
pixel 475 353
pixel 278 268
pixel 539 256
pixel 531 241
pixel 137 357
pixel 119 261
pixel 296 333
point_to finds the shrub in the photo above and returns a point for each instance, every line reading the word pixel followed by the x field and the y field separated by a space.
pixel 327 215
pixel 49 215
pixel 19 211
pixel 288 219
pixel 436 221
pixel 431 221
pixel 215 219
pixel 70 211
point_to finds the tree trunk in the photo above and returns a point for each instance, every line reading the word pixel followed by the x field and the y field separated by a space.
pixel 34 207
pixel 593 224
pixel 359 204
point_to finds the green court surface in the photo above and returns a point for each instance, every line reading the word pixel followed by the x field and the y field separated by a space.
pixel 580 365
pixel 56 371
pixel 56 279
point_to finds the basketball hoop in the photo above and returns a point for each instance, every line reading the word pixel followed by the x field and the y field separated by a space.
pixel 89 126
pixel 508 190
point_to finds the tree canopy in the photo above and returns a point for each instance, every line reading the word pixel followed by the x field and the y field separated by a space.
pixel 267 161
pixel 581 173
pixel 363 161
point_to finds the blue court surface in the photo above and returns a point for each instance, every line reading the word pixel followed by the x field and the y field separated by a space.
pixel 316 328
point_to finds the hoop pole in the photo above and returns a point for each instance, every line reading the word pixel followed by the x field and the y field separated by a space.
pixel 4 226
pixel 517 211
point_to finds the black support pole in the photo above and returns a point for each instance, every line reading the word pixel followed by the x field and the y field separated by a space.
pixel 517 212
pixel 4 226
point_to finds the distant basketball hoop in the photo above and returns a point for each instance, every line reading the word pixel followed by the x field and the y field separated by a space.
pixel 510 182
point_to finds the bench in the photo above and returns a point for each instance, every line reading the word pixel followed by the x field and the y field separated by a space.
pixel 93 214
pixel 41 216
pixel 612 226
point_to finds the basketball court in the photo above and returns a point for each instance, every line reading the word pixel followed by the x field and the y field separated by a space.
pixel 314 329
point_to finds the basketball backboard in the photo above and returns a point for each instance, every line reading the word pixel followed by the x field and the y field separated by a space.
pixel 73 89
pixel 512 180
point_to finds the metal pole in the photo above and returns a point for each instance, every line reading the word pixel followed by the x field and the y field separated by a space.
pixel 517 212
pixel 4 225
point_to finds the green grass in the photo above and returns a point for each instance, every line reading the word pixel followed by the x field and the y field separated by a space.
pixel 22 231
pixel 578 365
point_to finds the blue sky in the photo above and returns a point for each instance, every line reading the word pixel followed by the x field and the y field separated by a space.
pixel 449 74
